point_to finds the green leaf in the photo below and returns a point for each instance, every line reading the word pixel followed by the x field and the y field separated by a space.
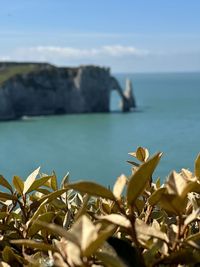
pixel 3 215
pixel 9 256
pixel 5 183
pixel 6 196
pixel 93 189
pixel 54 184
pixel 156 196
pixel 37 183
pixel 194 237
pixel 39 210
pixel 182 256
pixel 34 244
pixel 139 179
pixel 197 167
pixel 35 228
pixel 30 180
pixel 18 184
pixel 60 231
pixel 53 195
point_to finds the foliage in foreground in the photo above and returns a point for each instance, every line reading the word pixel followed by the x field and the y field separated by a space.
pixel 86 224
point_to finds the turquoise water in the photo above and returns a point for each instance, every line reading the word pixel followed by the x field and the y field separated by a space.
pixel 96 146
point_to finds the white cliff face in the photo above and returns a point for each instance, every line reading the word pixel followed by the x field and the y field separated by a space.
pixel 50 90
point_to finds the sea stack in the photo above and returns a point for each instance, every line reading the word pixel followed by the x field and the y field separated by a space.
pixel 128 98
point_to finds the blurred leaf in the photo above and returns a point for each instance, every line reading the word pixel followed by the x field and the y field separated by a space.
pixel 98 242
pixel 44 191
pixel 92 188
pixel 197 167
pixel 3 215
pixel 83 209
pixel 173 203
pixel 109 260
pixel 53 195
pixel 119 186
pixel 18 184
pixel 192 217
pixel 46 217
pixel 10 257
pixel 143 229
pixel 4 264
pixel 182 256
pixel 30 180
pixel 116 219
pixel 6 196
pixel 155 197
pixel 139 179
pixel 142 154
pixel 40 210
pixel 84 231
pixel 193 237
pixel 34 244
pixel 56 229
pixel 5 183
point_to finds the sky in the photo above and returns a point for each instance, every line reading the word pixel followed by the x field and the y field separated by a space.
pixel 126 35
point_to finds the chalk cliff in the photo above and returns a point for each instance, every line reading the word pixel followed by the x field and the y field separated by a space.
pixel 43 89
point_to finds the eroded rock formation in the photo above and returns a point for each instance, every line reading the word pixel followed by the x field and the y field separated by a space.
pixel 42 89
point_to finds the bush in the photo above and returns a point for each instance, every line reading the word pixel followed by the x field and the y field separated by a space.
pixel 138 223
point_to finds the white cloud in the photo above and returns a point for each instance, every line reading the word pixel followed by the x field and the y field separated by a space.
pixel 117 57
pixel 52 53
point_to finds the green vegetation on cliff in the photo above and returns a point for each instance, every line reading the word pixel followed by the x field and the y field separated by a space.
pixel 138 223
pixel 12 70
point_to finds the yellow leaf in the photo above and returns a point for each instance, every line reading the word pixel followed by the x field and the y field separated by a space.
pixel 173 203
pixel 5 183
pixel 34 228
pixel 116 219
pixel 142 154
pixel 37 183
pixel 6 196
pixel 19 184
pixel 197 167
pixel 119 186
pixel 92 188
pixel 142 229
pixel 54 184
pixel 33 244
pixel 192 217
pixel 139 179
pixel 155 197
pixel 98 242
pixel 29 181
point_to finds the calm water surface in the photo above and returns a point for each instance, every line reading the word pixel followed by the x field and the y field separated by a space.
pixel 96 146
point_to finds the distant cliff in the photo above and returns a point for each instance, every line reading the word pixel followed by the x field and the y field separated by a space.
pixel 42 89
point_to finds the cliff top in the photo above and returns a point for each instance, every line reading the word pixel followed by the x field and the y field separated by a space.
pixel 11 69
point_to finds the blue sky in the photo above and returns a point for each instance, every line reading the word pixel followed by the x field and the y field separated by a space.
pixel 127 35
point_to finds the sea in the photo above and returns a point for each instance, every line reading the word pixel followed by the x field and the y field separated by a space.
pixel 95 147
